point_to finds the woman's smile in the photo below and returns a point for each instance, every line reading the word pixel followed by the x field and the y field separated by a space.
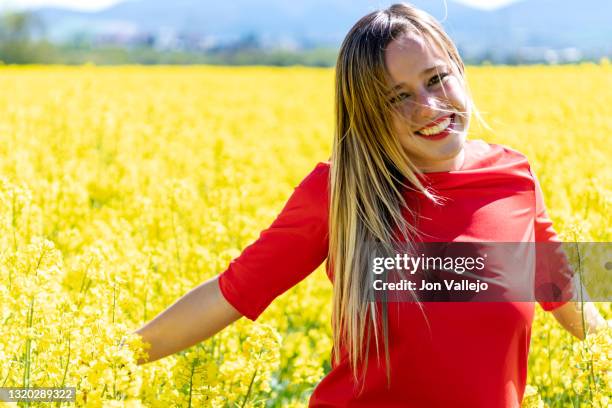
pixel 438 129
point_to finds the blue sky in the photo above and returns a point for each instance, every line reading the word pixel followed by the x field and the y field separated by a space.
pixel 98 4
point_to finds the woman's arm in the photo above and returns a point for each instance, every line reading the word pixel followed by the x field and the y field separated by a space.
pixel 193 318
pixel 572 318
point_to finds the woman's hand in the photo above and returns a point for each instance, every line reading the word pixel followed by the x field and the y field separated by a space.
pixel 575 316
pixel 193 318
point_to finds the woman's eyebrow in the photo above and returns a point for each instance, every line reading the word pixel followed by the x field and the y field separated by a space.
pixel 438 68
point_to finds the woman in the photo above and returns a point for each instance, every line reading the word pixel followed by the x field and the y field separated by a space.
pixel 400 164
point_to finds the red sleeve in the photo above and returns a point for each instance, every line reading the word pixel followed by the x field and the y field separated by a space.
pixel 285 253
pixel 553 272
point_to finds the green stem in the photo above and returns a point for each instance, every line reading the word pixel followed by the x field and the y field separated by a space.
pixel 246 397
pixel 114 298
pixel 14 222
pixel 59 403
pixel 67 363
pixel 583 321
pixel 176 245
pixel 193 365
pixel 26 372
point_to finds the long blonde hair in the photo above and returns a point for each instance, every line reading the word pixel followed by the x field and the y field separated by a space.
pixel 369 171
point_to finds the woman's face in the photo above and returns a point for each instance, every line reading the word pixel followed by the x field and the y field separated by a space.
pixel 433 107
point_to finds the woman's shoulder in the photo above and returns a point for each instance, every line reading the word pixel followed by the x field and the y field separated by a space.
pixel 310 198
pixel 313 190
pixel 318 177
pixel 482 155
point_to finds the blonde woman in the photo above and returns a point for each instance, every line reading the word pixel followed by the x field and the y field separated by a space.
pixel 401 162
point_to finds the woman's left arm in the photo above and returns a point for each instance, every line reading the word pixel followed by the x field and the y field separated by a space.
pixel 576 316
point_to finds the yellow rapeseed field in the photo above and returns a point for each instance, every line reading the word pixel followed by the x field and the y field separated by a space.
pixel 121 188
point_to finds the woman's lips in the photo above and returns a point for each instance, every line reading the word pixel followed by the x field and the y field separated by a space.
pixel 435 122
pixel 443 133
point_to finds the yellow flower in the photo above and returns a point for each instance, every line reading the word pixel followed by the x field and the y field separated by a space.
pixel 125 187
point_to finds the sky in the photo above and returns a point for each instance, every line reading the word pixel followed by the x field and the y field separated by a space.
pixel 99 4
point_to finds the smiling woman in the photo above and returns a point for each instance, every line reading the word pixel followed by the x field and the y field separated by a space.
pixel 402 171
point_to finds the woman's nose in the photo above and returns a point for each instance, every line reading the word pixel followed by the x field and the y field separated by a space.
pixel 426 107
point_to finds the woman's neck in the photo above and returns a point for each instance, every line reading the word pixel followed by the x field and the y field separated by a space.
pixel 452 164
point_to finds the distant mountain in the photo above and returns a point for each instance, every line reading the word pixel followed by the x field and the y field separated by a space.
pixel 318 20
pixel 584 25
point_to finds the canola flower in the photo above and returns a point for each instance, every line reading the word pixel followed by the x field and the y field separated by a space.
pixel 123 188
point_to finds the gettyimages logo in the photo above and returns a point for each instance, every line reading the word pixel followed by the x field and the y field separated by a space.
pixel 412 263
pixel 491 272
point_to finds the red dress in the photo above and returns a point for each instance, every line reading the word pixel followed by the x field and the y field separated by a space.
pixel 463 354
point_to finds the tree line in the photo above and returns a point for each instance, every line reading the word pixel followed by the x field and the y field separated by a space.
pixel 22 41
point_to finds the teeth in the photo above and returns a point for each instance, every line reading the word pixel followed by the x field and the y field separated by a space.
pixel 436 129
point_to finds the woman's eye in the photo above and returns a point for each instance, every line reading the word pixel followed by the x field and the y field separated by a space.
pixel 399 97
pixel 438 78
